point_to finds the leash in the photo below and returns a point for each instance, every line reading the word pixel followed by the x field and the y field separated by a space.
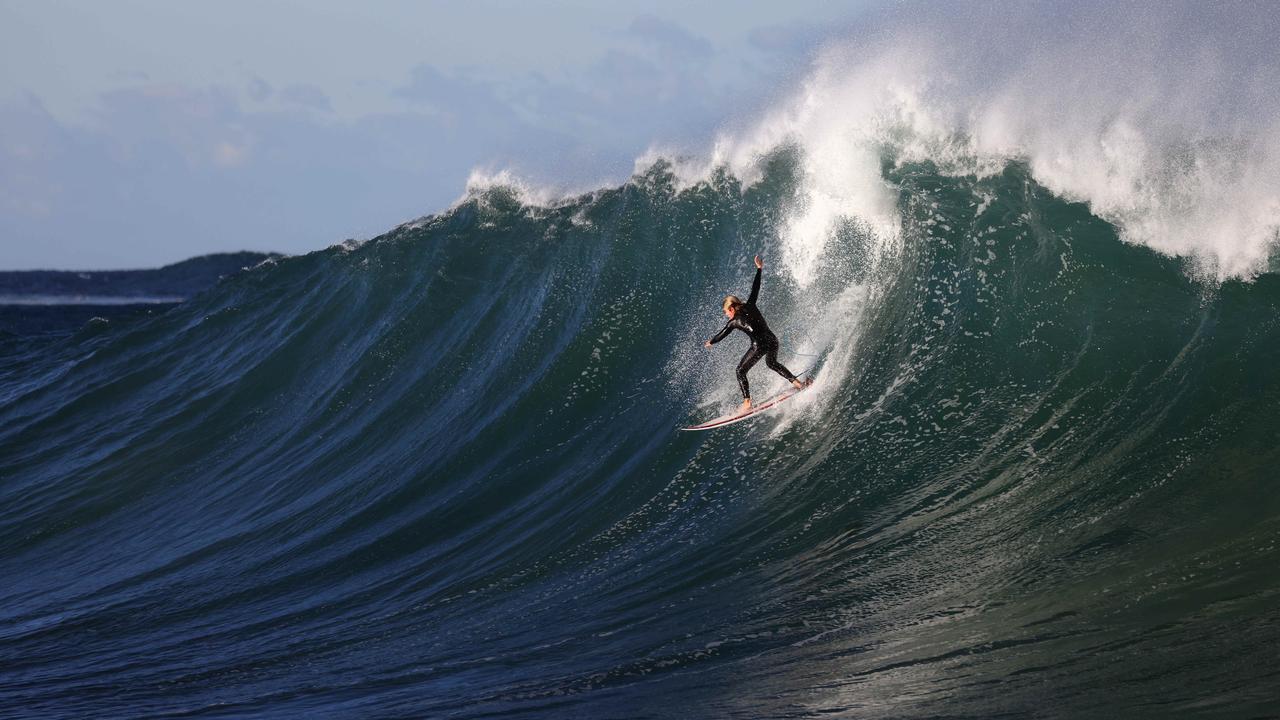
pixel 813 364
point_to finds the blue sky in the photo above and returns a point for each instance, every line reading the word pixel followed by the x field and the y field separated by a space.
pixel 139 132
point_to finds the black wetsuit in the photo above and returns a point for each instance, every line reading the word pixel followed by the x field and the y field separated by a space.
pixel 748 319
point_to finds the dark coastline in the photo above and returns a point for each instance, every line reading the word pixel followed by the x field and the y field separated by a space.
pixel 37 302
pixel 181 279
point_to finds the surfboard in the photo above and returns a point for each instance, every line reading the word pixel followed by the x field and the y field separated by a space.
pixel 732 418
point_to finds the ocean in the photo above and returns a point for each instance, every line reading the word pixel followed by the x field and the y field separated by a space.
pixel 438 473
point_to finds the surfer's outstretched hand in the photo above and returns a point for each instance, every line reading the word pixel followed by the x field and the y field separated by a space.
pixel 759 263
pixel 706 344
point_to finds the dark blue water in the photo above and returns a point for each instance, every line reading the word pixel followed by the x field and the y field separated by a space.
pixel 438 475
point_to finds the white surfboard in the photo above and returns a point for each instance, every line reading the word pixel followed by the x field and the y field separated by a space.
pixel 732 418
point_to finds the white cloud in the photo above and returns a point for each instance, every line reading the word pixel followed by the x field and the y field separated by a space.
pixel 670 37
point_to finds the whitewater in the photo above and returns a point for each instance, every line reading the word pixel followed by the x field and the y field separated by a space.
pixel 437 473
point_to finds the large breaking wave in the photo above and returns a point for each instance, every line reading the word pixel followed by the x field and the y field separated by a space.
pixel 436 473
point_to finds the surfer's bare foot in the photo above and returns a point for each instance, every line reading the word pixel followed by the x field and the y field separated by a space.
pixel 801 384
pixel 746 405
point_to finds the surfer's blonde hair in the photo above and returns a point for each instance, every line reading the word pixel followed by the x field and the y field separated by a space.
pixel 731 301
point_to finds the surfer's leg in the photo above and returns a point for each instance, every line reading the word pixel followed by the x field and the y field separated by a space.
pixel 771 360
pixel 751 358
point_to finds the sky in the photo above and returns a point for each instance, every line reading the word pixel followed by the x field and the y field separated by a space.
pixel 137 133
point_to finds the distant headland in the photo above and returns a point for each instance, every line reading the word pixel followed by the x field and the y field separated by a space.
pixel 171 283
pixel 39 302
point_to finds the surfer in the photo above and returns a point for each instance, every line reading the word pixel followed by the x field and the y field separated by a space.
pixel 745 316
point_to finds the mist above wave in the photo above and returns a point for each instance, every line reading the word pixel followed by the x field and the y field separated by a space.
pixel 1162 119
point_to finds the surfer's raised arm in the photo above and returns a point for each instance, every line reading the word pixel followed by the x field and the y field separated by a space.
pixel 755 284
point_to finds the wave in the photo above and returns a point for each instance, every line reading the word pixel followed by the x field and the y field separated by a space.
pixel 437 473
pixel 1161 118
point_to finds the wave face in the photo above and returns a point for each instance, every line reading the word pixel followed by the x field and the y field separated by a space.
pixel 437 474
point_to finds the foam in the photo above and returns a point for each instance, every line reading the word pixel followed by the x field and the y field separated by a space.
pixel 1162 119
pixel 1163 126
pixel 480 182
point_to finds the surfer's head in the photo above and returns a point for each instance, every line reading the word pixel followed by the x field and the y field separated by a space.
pixel 731 305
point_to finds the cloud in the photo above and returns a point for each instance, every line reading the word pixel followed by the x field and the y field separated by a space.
pixel 158 172
pixel 259 90
pixel 30 141
pixel 669 37
pixel 427 84
pixel 229 154
pixel 308 96
pixel 162 172
pixel 458 98
pixel 131 76
pixel 168 123
pixel 627 86
pixel 796 38
pixel 620 101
